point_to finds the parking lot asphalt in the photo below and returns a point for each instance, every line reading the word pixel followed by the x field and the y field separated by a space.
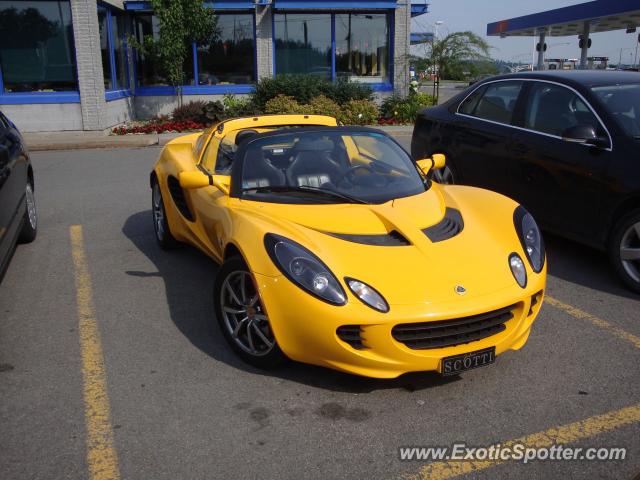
pixel 111 365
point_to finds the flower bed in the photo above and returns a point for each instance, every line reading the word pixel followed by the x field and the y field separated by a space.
pixel 183 126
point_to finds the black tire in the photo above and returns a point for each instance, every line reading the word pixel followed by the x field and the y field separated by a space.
pixel 264 358
pixel 30 221
pixel 164 237
pixel 449 171
pixel 626 237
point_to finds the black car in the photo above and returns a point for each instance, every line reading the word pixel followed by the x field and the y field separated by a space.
pixel 565 144
pixel 18 220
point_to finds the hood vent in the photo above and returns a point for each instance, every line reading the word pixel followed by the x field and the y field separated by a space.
pixel 450 226
pixel 391 239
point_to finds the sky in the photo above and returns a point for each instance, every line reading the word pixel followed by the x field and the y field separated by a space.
pixel 474 15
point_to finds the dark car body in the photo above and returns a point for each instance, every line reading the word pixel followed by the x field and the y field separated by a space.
pixel 503 143
pixel 15 172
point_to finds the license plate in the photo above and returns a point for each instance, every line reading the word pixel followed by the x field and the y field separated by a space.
pixel 467 361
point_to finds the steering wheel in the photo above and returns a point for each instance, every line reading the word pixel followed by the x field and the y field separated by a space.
pixel 349 174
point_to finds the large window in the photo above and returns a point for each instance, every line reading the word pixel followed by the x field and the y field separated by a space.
pixel 36 46
pixel 147 70
pixel 229 57
pixel 112 45
pixel 362 47
pixel 303 44
pixel 495 102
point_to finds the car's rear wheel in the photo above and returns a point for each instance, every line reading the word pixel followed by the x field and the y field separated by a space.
pixel 160 223
pixel 624 250
pixel 242 317
pixel 30 223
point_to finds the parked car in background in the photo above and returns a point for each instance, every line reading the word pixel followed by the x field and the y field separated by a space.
pixel 564 144
pixel 18 220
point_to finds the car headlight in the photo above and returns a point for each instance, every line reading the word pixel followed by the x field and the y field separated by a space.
pixel 367 295
pixel 518 269
pixel 530 238
pixel 304 269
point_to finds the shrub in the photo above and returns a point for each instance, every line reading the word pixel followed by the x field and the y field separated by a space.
pixel 359 112
pixel 283 105
pixel 303 88
pixel 238 107
pixel 344 90
pixel 192 111
pixel 322 105
pixel 214 112
pixel 396 109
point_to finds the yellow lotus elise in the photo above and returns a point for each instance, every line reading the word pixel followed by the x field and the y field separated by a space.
pixel 337 249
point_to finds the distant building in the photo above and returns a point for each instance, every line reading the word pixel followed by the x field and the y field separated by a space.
pixel 65 65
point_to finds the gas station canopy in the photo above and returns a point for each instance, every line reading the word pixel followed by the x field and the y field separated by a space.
pixel 602 15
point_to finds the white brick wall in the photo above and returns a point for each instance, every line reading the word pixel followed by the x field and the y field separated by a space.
pixel 89 63
pixel 401 48
pixel 264 42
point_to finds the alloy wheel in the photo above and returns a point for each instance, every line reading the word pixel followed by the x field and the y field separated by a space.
pixel 630 251
pixel 444 176
pixel 158 211
pixel 31 207
pixel 244 315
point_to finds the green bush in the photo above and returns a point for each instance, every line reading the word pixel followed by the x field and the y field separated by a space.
pixel 359 112
pixel 192 111
pixel 305 87
pixel 405 110
pixel 322 105
pixel 285 105
pixel 214 112
pixel 344 91
pixel 238 106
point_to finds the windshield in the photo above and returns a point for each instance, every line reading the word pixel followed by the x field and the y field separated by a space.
pixel 623 102
pixel 328 167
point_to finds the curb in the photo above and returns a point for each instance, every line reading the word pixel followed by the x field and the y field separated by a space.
pixel 139 141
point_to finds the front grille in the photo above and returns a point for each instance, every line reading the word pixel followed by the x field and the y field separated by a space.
pixel 447 333
pixel 534 301
pixel 351 334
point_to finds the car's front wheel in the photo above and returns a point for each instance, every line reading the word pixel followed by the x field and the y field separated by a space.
pixel 446 175
pixel 624 250
pixel 160 223
pixel 30 223
pixel 243 320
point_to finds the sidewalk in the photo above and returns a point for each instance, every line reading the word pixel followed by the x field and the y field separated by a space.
pixel 75 140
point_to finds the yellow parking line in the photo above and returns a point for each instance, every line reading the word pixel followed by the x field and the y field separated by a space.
pixel 561 435
pixel 101 455
pixel 598 322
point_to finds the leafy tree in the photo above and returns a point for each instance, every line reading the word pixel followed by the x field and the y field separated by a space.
pixel 449 52
pixel 182 22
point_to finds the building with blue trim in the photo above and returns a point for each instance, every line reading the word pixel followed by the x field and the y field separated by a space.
pixel 66 65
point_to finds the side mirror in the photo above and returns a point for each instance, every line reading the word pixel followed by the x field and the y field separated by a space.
pixel 585 134
pixel 436 162
pixel 198 179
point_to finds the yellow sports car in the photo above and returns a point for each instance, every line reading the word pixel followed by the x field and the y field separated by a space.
pixel 337 249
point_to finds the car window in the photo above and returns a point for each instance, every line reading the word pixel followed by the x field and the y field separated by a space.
pixel 209 157
pixel 623 102
pixel 469 104
pixel 498 102
pixel 553 108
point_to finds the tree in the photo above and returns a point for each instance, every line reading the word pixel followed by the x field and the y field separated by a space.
pixel 182 22
pixel 458 47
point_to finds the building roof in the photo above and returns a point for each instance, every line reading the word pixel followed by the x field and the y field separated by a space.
pixel 603 15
